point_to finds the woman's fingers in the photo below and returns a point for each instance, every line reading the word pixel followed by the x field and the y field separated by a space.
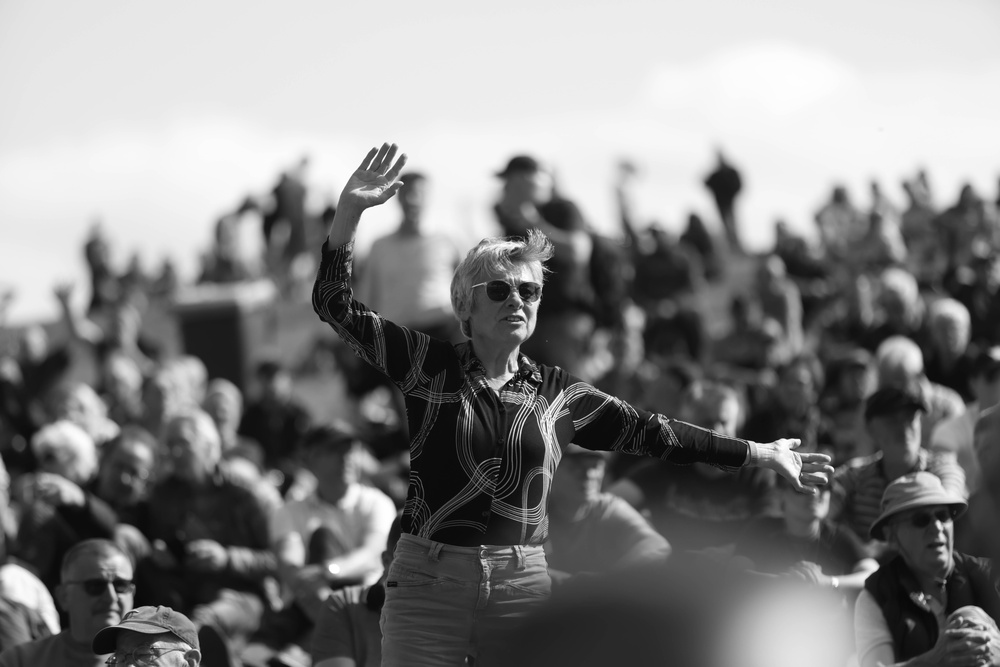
pixel 367 161
pixel 379 157
pixel 393 173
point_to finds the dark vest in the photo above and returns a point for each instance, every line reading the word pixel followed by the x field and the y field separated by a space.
pixel 911 622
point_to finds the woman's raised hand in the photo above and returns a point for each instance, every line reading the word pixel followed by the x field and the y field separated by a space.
pixel 375 181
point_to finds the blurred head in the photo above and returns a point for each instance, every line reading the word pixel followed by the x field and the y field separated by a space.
pixel 712 405
pixel 192 375
pixel 800 382
pixel 126 321
pixel 167 636
pixel 332 454
pixel 900 363
pixel 275 381
pixel 227 237
pixel 899 297
pixel 893 419
pixel 95 587
pixel 412 197
pixel 163 395
pixel 193 445
pixel 508 260
pixel 65 449
pixel 578 477
pixel 525 180
pixel 224 403
pixel 80 404
pixel 950 326
pixel 917 519
pixel 852 376
pixel 127 467
pixel 122 378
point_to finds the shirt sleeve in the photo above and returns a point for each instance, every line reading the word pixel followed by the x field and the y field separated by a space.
pixel 603 422
pixel 871 633
pixel 945 466
pixel 396 351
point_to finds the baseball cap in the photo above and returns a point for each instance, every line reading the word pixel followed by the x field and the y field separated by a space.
pixel 520 163
pixel 147 621
pixel 917 489
pixel 892 399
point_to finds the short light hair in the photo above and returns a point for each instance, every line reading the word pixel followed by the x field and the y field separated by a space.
pixel 896 356
pixel 949 310
pixel 91 547
pixel 899 281
pixel 495 255
pixel 228 389
pixel 66 436
pixel 205 429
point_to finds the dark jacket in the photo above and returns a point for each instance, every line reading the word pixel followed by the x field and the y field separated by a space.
pixel 911 622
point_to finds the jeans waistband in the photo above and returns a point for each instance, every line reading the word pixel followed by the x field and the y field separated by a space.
pixel 517 552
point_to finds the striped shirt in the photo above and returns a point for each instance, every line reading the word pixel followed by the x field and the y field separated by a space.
pixel 858 485
pixel 482 462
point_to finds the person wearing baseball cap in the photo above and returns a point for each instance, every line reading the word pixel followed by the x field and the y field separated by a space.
pixel 907 608
pixel 150 636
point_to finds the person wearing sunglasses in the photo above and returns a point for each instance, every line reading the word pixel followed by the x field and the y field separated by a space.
pixel 150 637
pixel 488 427
pixel 95 590
pixel 914 608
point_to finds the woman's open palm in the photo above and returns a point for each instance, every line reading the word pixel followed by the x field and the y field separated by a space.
pixel 375 181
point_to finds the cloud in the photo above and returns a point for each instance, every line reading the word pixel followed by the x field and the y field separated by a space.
pixel 766 78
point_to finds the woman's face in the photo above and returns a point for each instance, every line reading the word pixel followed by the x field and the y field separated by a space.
pixel 512 320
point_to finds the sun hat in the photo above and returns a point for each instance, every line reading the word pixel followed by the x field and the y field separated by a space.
pixel 917 489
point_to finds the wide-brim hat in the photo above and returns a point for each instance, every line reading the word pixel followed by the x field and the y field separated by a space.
pixel 147 621
pixel 918 489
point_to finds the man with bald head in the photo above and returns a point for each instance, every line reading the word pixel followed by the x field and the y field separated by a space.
pixel 95 590
pixel 150 636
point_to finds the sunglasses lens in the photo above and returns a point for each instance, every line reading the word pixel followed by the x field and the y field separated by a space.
pixel 924 519
pixel 95 587
pixel 497 290
pixel 529 291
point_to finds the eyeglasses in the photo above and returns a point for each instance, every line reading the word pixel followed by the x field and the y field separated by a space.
pixel 95 587
pixel 921 520
pixel 144 657
pixel 498 290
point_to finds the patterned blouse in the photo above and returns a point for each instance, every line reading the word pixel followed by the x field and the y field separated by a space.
pixel 482 462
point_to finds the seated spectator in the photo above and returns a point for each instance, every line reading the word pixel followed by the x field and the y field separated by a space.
pixel 698 507
pixel 955 434
pixel 336 536
pixel 80 404
pixel 792 406
pixel 753 341
pixel 123 482
pixel 850 379
pixel 152 636
pixel 224 404
pixel 900 364
pixel 898 309
pixel 804 544
pixel 121 384
pixel 56 504
pixel 975 531
pixel 209 535
pixel 893 419
pixel 916 608
pixel 946 359
pixel 347 631
pixel 593 532
pixel 276 420
pixel 95 589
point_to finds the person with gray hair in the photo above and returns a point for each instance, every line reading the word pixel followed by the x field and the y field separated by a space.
pixel 928 605
pixel 209 536
pixel 488 427
pixel 946 353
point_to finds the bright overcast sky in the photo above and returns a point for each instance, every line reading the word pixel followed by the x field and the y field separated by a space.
pixel 157 117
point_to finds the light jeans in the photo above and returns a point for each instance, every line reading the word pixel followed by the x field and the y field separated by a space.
pixel 444 603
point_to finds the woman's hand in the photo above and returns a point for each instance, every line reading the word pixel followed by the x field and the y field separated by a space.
pixel 805 470
pixel 375 181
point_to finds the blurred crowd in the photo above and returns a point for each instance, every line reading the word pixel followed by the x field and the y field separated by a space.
pixel 269 523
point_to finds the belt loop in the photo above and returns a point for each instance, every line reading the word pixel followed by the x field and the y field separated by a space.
pixel 519 556
pixel 434 553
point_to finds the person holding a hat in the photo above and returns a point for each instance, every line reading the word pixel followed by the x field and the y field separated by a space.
pixel 893 420
pixel 150 637
pixel 914 609
pixel 488 427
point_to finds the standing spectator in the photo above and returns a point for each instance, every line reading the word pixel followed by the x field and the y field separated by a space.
pixel 946 360
pixel 224 262
pixel 923 253
pixel 527 203
pixel 850 380
pixel 95 589
pixel 407 275
pixel 893 418
pixel 105 288
pixel 781 300
pixel 725 184
pixel 841 226
pixel 928 604
pixel 591 532
pixel 961 227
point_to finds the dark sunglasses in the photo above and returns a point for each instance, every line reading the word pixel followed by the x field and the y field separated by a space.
pixel 498 290
pixel 924 519
pixel 95 587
